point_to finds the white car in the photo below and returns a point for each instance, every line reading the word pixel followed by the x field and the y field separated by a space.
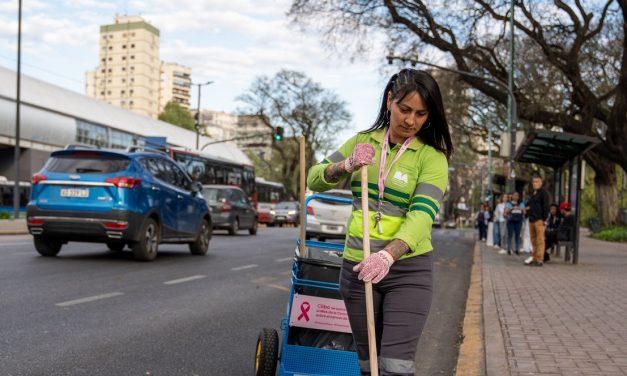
pixel 326 219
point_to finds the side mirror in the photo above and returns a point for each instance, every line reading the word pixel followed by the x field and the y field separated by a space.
pixel 196 187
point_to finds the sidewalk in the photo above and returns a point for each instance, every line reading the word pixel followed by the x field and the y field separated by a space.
pixel 13 226
pixel 560 319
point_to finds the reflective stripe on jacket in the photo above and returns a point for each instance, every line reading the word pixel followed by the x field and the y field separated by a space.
pixel 412 195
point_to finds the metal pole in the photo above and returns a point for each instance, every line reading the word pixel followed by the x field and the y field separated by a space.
pixel 16 153
pixel 490 164
pixel 303 187
pixel 198 122
pixel 511 105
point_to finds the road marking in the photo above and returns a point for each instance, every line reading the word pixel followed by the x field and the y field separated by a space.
pixel 284 259
pixel 181 280
pixel 10 244
pixel 244 267
pixel 282 288
pixel 89 299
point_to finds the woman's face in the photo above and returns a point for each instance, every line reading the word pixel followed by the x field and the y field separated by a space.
pixel 406 116
pixel 515 196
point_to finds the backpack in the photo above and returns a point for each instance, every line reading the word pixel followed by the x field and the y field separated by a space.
pixel 515 215
pixel 480 217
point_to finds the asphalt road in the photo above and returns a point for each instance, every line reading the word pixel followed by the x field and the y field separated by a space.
pixel 95 312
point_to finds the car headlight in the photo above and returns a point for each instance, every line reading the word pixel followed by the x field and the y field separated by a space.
pixel 272 212
pixel 291 212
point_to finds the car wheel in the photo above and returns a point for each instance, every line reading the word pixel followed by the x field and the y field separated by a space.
pixel 253 230
pixel 322 239
pixel 270 224
pixel 201 245
pixel 46 246
pixel 146 248
pixel 234 227
pixel 115 246
pixel 267 353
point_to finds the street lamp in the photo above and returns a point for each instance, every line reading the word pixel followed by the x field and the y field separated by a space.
pixel 16 153
pixel 514 114
pixel 198 113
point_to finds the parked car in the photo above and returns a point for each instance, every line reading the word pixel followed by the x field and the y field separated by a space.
pixel 265 213
pixel 230 208
pixel 134 198
pixel 286 212
pixel 327 219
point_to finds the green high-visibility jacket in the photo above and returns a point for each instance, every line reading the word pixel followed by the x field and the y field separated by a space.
pixel 412 195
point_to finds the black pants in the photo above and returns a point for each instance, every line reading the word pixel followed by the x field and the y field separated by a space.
pixel 401 305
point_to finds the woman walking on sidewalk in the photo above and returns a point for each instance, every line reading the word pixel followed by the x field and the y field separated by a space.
pixel 407 151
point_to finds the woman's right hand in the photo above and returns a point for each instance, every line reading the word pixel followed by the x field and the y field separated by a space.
pixel 363 155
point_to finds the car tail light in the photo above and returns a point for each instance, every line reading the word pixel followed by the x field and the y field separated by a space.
pixel 124 181
pixel 115 225
pixel 35 179
pixel 310 210
pixel 35 222
pixel 227 206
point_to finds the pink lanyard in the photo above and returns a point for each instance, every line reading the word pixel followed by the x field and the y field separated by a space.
pixel 383 175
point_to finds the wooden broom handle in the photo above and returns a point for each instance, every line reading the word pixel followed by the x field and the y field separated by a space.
pixel 372 339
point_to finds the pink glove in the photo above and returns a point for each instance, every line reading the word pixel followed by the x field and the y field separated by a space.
pixel 362 156
pixel 375 267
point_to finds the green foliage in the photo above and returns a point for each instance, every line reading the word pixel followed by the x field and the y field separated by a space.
pixel 173 113
pixel 612 234
pixel 588 196
pixel 5 215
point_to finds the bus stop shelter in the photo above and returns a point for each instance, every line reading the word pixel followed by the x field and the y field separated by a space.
pixel 563 152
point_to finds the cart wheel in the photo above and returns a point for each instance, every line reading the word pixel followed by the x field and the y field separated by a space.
pixel 267 353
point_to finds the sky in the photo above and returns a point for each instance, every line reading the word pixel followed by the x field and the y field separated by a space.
pixel 229 42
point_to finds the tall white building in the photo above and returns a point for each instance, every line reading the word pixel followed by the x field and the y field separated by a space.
pixel 128 73
pixel 131 75
pixel 175 85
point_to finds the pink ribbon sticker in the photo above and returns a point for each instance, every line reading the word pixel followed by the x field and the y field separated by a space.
pixel 304 308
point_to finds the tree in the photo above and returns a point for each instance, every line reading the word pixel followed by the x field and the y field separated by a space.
pixel 173 113
pixel 570 65
pixel 302 107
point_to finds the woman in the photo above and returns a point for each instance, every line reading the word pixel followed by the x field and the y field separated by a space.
pixel 514 213
pixel 550 230
pixel 406 151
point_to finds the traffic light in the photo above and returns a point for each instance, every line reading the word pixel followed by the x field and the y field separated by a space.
pixel 278 134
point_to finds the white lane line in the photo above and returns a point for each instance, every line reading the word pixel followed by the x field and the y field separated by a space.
pixel 181 280
pixel 89 299
pixel 11 244
pixel 244 267
pixel 284 259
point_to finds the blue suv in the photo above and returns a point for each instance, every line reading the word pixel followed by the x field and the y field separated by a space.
pixel 132 198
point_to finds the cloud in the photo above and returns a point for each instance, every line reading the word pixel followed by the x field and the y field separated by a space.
pixel 94 4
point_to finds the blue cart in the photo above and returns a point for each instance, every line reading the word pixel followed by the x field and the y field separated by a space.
pixel 304 350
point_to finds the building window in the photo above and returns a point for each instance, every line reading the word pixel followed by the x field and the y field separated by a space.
pixel 123 57
pixel 132 79
pixel 102 71
pixel 131 91
pixel 110 59
pixel 109 92
pixel 123 69
pixel 91 134
pixel 109 81
pixel 123 46
pixel 110 48
pixel 132 67
pixel 103 60
pixel 102 93
pixel 132 56
pixel 123 80
pixel 132 45
pixel 130 102
pixel 122 92
pixel 122 140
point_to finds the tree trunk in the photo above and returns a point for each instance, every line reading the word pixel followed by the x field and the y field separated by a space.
pixel 606 193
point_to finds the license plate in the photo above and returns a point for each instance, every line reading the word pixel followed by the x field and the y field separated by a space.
pixel 332 228
pixel 75 192
pixel 280 217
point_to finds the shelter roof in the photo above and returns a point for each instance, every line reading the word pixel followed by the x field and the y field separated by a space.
pixel 552 149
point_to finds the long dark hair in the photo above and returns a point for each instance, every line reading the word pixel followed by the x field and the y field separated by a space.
pixel 435 132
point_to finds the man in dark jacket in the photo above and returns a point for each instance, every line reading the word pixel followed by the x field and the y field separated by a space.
pixel 537 210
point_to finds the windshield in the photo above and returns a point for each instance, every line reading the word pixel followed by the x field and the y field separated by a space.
pixel 214 194
pixel 286 205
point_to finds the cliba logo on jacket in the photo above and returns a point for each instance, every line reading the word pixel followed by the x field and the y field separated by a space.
pixel 400 178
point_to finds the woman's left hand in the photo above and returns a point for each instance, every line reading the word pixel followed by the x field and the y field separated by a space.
pixel 374 267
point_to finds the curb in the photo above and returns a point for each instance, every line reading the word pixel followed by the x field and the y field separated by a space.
pixel 471 358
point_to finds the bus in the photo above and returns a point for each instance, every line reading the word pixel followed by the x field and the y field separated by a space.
pixel 214 170
pixel 7 188
pixel 269 191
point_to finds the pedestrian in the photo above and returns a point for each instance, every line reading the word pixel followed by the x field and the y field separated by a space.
pixel 500 226
pixel 482 222
pixel 514 215
pixel 537 209
pixel 411 144
pixel 550 230
pixel 566 228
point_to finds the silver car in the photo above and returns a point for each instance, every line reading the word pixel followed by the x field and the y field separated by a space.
pixel 326 219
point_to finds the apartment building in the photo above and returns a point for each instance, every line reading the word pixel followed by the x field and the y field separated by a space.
pixel 128 72
pixel 175 85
